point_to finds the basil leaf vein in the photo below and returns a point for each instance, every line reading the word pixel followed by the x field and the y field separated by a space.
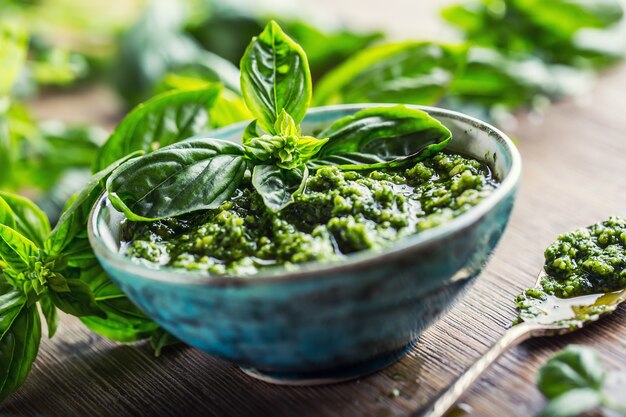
pixel 195 174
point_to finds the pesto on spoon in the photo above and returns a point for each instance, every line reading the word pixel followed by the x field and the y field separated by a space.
pixel 584 278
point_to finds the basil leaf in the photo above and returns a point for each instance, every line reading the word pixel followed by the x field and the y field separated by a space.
pixel 79 254
pixel 13 49
pixel 346 159
pixel 575 33
pixel 20 334
pixel 165 119
pixel 73 221
pixel 49 312
pixel 326 50
pixel 153 46
pixel 572 368
pixel 7 149
pixel 390 133
pixel 7 217
pixel 275 76
pixel 566 17
pixel 494 80
pixel 251 132
pixel 261 149
pixel 572 403
pixel 124 322
pixel 79 301
pixel 277 186
pixel 30 220
pixel 407 72
pixel 309 146
pixel 285 125
pixel 161 339
pixel 229 107
pixel 15 249
pixel 195 174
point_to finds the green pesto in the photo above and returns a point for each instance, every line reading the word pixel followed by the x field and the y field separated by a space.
pixel 338 213
pixel 586 261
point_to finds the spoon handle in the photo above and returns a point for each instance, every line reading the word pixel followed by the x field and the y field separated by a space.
pixel 441 404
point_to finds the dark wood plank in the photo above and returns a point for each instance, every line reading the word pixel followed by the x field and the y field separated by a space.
pixel 574 175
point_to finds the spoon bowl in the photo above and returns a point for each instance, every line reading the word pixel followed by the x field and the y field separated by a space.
pixel 563 315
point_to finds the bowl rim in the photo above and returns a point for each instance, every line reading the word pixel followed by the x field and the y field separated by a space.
pixel 359 260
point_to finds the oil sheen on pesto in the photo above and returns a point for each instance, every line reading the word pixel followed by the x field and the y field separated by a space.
pixel 338 213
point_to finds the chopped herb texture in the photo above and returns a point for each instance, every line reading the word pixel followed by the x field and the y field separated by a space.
pixel 580 263
pixel 337 213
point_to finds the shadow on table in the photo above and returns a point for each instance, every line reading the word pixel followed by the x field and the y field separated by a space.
pixel 93 377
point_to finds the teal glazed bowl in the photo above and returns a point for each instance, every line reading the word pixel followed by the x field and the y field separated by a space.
pixel 332 321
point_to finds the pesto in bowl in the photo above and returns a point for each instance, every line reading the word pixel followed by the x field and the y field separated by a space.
pixel 325 320
pixel 337 213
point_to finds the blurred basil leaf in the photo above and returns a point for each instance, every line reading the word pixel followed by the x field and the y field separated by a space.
pixel 228 108
pixel 226 33
pixel 50 65
pixel 158 44
pixel 407 72
pixel 79 301
pixel 327 49
pixel 572 403
pixel 492 81
pixel 152 47
pixel 572 368
pixel 13 48
pixel 551 31
pixel 165 119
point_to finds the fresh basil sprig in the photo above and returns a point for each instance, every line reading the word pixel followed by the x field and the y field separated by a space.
pixel 405 72
pixel 573 380
pixel 56 269
pixel 201 173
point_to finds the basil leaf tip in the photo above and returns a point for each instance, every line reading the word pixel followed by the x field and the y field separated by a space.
pixel 275 76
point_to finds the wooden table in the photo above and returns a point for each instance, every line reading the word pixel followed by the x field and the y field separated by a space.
pixel 574 175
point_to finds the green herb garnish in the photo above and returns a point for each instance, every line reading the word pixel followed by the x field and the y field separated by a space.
pixel 573 380
pixel 202 173
pixel 55 269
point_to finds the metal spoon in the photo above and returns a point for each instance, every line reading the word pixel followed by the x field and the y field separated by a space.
pixel 556 316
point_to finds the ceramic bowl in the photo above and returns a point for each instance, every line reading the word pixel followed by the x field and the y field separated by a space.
pixel 326 321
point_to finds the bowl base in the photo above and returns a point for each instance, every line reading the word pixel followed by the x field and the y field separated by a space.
pixel 330 376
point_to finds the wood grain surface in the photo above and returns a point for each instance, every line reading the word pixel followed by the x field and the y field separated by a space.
pixel 574 175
